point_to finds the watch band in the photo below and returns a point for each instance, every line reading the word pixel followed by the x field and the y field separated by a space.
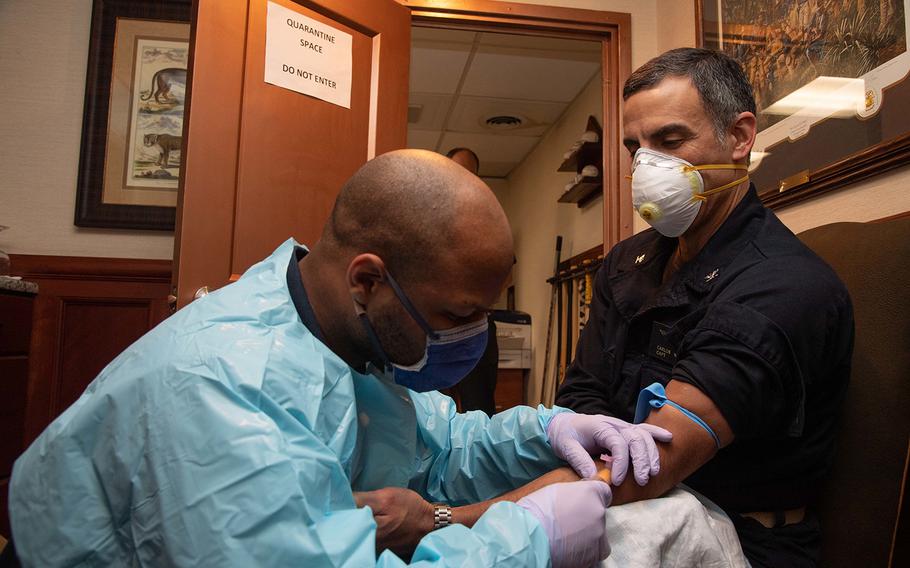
pixel 442 515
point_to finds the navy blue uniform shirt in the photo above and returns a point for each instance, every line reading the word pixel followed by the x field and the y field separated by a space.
pixel 299 296
pixel 756 321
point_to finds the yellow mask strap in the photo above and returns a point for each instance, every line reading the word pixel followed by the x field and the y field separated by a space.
pixel 703 196
pixel 742 167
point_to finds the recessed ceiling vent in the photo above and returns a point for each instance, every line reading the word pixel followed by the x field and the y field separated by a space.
pixel 503 122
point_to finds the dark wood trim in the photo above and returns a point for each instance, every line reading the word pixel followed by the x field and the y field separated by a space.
pixel 868 163
pixel 587 261
pixel 33 266
pixel 531 16
pixel 903 215
pixel 612 29
pixel 592 254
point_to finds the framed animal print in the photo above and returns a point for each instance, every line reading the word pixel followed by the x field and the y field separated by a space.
pixel 132 132
pixel 831 85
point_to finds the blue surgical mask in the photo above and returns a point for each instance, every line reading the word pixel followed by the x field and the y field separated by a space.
pixel 449 354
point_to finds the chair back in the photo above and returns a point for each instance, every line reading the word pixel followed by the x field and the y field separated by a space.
pixel 863 507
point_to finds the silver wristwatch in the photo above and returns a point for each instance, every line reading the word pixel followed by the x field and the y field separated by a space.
pixel 442 516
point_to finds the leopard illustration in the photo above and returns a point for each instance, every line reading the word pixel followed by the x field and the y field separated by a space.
pixel 166 143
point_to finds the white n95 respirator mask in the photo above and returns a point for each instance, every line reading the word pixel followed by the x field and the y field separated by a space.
pixel 668 191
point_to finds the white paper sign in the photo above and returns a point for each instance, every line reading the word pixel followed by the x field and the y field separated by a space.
pixel 307 56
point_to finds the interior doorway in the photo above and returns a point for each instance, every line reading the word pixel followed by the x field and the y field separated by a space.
pixel 524 97
pixel 530 109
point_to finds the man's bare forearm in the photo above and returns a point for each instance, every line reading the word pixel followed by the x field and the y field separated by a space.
pixel 676 466
pixel 691 447
pixel 468 514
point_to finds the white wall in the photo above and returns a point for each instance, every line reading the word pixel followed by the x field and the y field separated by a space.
pixel 675 25
pixel 43 56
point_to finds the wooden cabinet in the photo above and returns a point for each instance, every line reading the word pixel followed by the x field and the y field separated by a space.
pixel 15 332
pixel 510 388
pixel 88 310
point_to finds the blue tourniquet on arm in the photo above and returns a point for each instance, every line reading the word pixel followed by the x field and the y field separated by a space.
pixel 655 396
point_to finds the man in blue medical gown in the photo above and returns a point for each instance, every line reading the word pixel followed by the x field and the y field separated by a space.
pixel 236 432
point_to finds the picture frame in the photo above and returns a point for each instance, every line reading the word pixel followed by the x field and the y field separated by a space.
pixel 132 123
pixel 849 59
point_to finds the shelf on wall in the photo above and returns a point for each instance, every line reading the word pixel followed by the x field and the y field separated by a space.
pixel 582 155
pixel 582 192
pixel 587 153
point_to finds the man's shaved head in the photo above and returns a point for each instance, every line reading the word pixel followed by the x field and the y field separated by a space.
pixel 427 221
pixel 422 214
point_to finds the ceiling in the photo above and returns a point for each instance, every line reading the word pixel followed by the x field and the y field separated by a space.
pixel 460 79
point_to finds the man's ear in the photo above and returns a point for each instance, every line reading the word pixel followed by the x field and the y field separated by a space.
pixel 743 133
pixel 364 272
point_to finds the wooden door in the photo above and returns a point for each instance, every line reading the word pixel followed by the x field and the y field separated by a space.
pixel 263 163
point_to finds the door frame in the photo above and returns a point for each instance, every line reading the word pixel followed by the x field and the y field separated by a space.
pixel 612 29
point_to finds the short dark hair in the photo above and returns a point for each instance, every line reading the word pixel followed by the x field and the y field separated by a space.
pixel 451 153
pixel 721 83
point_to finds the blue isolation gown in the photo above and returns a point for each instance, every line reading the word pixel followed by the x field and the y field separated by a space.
pixel 230 435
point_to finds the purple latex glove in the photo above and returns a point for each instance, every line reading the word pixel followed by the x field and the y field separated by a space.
pixel 574 437
pixel 572 515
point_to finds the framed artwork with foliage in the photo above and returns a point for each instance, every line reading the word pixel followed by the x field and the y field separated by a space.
pixel 830 81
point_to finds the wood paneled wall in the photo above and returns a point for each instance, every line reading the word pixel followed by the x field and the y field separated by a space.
pixel 15 331
pixel 87 311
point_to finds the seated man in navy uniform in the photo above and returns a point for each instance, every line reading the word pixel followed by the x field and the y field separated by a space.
pixel 747 332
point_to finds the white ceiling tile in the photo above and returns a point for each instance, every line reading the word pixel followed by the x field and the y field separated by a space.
pixel 511 73
pixel 433 110
pixel 470 115
pixel 437 70
pixel 423 139
pixel 532 77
